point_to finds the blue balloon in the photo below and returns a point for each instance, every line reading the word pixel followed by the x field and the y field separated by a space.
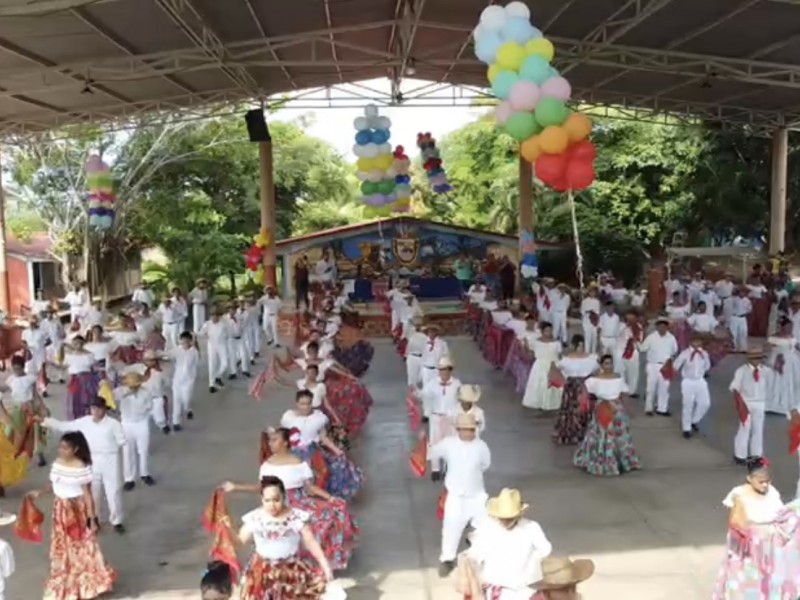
pixel 363 137
pixel 519 30
pixel 486 47
pixel 553 72
pixel 380 136
pixel 503 83
pixel 535 69
pixel 402 179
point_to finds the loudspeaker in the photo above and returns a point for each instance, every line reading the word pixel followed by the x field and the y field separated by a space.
pixel 257 126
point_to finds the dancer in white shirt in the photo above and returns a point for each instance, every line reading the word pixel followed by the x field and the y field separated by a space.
pixel 477 292
pixel 23 401
pixel 590 318
pixel 661 348
pixel 560 307
pixel 638 297
pixel 144 295
pixel 414 349
pixel 608 329
pixel 693 365
pixel 435 349
pixel 216 331
pixel 75 300
pixel 467 458
pixel 750 384
pixel 171 321
pixel 724 290
pixel 156 383
pixel 508 549
pixel 135 407
pixel 539 394
pixel 271 304
pixel 186 358
pixel 34 340
pixel 468 397
pixel 237 353
pixel 627 359
pixel 199 299
pixel 57 335
pixel 181 308
pixel 105 437
pixel 702 321
pixel 740 308
pixel 784 359
pixel 439 401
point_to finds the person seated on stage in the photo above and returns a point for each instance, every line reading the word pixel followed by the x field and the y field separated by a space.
pixel 477 291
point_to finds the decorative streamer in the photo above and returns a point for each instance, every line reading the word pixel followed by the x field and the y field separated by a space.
pixel 576 235
pixel 432 163
pixel 101 193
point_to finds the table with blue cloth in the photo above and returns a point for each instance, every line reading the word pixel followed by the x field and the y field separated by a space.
pixel 424 288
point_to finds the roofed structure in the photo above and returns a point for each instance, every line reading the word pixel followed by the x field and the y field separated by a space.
pixel 66 61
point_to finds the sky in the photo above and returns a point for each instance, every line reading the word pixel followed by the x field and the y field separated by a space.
pixel 335 125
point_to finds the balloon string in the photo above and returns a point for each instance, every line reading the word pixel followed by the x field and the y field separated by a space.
pixel 576 235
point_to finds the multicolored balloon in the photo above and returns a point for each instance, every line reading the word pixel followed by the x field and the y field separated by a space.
pixel 375 159
pixel 101 193
pixel 432 163
pixel 533 98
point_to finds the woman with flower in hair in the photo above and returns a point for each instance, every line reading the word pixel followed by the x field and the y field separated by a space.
pixel 330 520
pixel 128 340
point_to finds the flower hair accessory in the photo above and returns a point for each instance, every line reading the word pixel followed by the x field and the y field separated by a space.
pixel 294 437
pixel 765 462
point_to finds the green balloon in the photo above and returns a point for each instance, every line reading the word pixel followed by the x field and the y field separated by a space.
pixel 387 187
pixel 367 188
pixel 521 126
pixel 550 111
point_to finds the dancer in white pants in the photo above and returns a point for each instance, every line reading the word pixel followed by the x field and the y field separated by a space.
pixel 439 402
pixel 186 358
pixel 105 437
pixel 627 360
pixel 237 352
pixel 253 328
pixel 156 383
pixel 590 318
pixel 740 308
pixel 661 347
pixel 435 349
pixel 467 458
pixel 135 407
pixel 414 349
pixel 558 315
pixel 271 304
pixel 199 299
pixel 216 331
pixel 693 364
pixel 750 384
pixel 608 328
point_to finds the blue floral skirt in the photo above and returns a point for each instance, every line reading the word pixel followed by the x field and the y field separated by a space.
pixel 608 450
pixel 81 391
pixel 356 358
pixel 338 475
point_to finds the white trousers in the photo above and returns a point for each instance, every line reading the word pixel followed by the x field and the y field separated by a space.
pixel 696 402
pixel 460 511
pixel 608 345
pixel 217 362
pixel 271 328
pixel 237 352
pixel 749 439
pixel 138 435
pixel 255 339
pixel 559 321
pixel 172 333
pixel 181 399
pixel 545 316
pixel 439 427
pixel 198 317
pixel 738 329
pixel 160 411
pixel 413 367
pixel 107 478
pixel 629 370
pixel 427 374
pixel 589 336
pixel 657 389
pixel 395 320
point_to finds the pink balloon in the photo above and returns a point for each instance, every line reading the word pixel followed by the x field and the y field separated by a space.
pixel 556 87
pixel 502 112
pixel 524 96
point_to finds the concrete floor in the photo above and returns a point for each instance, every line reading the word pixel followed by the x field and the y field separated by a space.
pixel 656 534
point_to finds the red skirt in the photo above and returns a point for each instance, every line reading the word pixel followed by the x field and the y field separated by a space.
pixel 130 355
pixel 758 319
pixel 290 579
pixel 351 401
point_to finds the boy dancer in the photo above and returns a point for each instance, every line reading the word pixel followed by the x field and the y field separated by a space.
pixel 693 364
pixel 186 358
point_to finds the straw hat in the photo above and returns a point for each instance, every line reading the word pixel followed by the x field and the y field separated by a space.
pixel 202 280
pixel 445 363
pixel 7 519
pixel 561 572
pixel 432 327
pixel 132 379
pixel 506 505
pixel 466 421
pixel 151 355
pixel 755 352
pixel 417 321
pixel 663 319
pixel 469 393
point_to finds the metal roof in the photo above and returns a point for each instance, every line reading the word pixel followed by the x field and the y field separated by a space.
pixel 67 61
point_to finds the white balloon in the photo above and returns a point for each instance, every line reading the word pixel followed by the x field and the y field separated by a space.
pixel 385 148
pixel 371 110
pixel 493 18
pixel 370 150
pixel 391 173
pixel 375 176
pixel 374 122
pixel 362 175
pixel 360 123
pixel 518 9
pixel 384 123
pixel 478 32
pixel 358 150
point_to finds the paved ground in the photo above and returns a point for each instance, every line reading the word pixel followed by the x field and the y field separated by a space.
pixel 654 535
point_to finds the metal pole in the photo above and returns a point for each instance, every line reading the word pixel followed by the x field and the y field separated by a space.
pixel 525 197
pixel 267 196
pixel 5 301
pixel 777 209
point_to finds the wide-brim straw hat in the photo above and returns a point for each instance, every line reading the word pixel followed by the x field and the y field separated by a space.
pixel 665 320
pixel 132 379
pixel 432 327
pixel 152 355
pixel 445 363
pixel 466 421
pixel 561 572
pixel 7 518
pixel 469 393
pixel 507 504
pixel 755 352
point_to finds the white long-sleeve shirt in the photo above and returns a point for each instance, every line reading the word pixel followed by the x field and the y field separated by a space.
pixel 560 302
pixel 134 406
pixel 416 343
pixel 609 325
pixel 198 296
pixel 693 363
pixel 723 289
pixel 441 397
pixel 466 464
pixel 590 305
pixel 433 352
pixel 744 382
pixel 142 296
pixel 104 437
pixel 7 566
pixel 217 333
pixel 659 348
pixel 185 361
pixel 741 307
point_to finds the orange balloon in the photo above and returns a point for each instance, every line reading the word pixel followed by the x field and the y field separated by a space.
pixel 578 127
pixel 553 140
pixel 530 149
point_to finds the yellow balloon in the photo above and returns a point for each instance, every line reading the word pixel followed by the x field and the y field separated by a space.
pixel 258 278
pixel 262 239
pixel 553 140
pixel 492 73
pixel 510 56
pixel 541 47
pixel 384 162
pixel 364 164
pixel 531 149
pixel 578 127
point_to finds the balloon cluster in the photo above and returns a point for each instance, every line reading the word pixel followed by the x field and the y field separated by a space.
pixel 101 193
pixel 432 163
pixel 255 255
pixel 402 180
pixel 375 158
pixel 533 98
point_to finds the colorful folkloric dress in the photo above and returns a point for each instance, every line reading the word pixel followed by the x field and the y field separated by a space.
pixel 82 387
pixel 26 436
pixel 147 327
pixel 785 383
pixel 78 570
pixel 344 479
pixel 333 525
pixel 538 391
pixel 348 397
pixel 276 569
pixel 128 349
pixel 607 448
pixel 680 326
pixel 352 351
pixel 761 563
pixel 575 412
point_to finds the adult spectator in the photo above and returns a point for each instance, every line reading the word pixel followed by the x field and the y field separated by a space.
pixel 463 269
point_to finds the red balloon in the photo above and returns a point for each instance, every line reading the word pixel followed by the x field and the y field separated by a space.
pixel 583 150
pixel 579 174
pixel 560 185
pixel 551 167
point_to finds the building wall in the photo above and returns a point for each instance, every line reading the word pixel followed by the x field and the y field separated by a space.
pixel 18 285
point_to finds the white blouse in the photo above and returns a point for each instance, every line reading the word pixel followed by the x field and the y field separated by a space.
pixel 79 363
pixel 101 350
pixel 319 391
pixel 546 351
pixel 574 366
pixel 68 482
pixel 606 389
pixel 310 427
pixel 293 476
pixel 126 338
pixel 21 388
pixel 758 509
pixel 276 538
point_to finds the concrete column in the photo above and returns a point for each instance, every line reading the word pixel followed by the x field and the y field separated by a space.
pixel 5 300
pixel 267 196
pixel 777 208
pixel 288 284
pixel 526 217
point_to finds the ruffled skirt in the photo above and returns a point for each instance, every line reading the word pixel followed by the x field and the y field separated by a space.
pixel 350 400
pixel 355 358
pixel 572 419
pixel 290 579
pixel 608 450
pixel 81 390
pixel 338 475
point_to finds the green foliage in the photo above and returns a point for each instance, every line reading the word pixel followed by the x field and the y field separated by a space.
pixel 24 225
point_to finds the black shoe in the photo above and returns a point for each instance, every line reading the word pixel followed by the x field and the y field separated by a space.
pixel 649 413
pixel 129 485
pixel 635 396
pixel 42 461
pixel 218 382
pixel 45 394
pixel 252 361
pixel 436 475
pixel 246 374
pixel 425 419
pixel 166 429
pixel 695 428
pixel 189 415
pixel 446 567
pixel 147 480
pixel 666 413
pixel 687 435
pixel 231 377
pixel 257 354
pixel 739 461
pixel 212 390
pixel 177 428
pixel 120 528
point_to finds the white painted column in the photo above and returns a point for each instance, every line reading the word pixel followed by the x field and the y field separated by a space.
pixel 777 207
pixel 288 284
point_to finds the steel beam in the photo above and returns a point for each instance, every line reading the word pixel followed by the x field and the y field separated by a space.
pixel 461 50
pixel 263 33
pixel 329 22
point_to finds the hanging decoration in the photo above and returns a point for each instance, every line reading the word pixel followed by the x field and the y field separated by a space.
pixel 402 180
pixel 254 258
pixel 375 160
pixel 432 163
pixel 533 97
pixel 101 193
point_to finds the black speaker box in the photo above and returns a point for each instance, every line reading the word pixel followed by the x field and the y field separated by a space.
pixel 257 126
